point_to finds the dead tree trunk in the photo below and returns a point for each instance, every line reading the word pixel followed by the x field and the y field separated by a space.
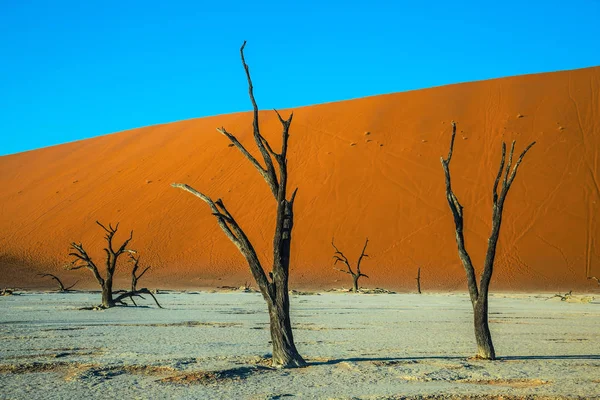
pixel 479 294
pixel 274 288
pixel 338 256
pixel 82 260
pixel 418 279
pixel 61 287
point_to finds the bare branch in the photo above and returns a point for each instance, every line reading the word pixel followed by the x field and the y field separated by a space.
pixel 123 247
pixel 61 287
pixel 344 271
pixel 457 213
pixel 509 164
pixel 233 232
pixel 495 190
pixel 137 293
pixel 109 231
pixel 339 256
pixel 362 255
pixel 264 172
pixel 514 171
pixel 272 177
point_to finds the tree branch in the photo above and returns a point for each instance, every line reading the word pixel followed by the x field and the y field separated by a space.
pixel 457 213
pixel 495 190
pixel 234 233
pixel 272 177
pixel 362 255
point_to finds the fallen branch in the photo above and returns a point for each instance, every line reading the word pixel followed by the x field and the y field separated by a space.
pixel 563 297
pixel 61 287
pixel 137 293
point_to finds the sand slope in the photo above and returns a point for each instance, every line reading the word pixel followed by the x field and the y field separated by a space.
pixel 387 185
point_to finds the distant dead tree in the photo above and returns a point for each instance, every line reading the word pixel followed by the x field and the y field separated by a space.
pixel 61 287
pixel 134 276
pixel 273 287
pixel 479 295
pixel 418 279
pixel 338 256
pixel 594 278
pixel 563 297
pixel 81 259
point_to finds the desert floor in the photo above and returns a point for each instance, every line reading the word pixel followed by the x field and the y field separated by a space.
pixel 214 345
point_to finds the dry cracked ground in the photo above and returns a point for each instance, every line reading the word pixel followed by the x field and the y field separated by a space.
pixel 364 346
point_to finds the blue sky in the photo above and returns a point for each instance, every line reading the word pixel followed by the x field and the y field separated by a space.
pixel 70 70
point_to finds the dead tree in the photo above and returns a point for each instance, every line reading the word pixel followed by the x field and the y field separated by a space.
pixel 418 279
pixel 274 286
pixel 338 256
pixel 563 297
pixel 479 294
pixel 81 259
pixel 61 287
pixel 134 276
pixel 594 278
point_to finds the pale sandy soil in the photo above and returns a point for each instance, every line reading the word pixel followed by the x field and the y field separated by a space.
pixel 210 345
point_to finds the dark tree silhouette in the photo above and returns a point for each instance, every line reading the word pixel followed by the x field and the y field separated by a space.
pixel 81 259
pixel 61 287
pixel 479 294
pixel 338 256
pixel 273 287
pixel 418 279
pixel 134 276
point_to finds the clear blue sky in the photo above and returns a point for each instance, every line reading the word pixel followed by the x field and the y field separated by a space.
pixel 75 69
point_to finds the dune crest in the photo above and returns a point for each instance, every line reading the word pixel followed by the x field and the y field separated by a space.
pixel 368 167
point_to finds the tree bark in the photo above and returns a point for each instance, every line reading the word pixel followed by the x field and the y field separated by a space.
pixel 355 283
pixel 485 347
pixel 285 354
pixel 107 296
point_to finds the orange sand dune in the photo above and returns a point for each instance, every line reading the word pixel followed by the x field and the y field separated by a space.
pixel 365 167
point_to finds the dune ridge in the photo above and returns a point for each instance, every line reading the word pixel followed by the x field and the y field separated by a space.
pixel 366 167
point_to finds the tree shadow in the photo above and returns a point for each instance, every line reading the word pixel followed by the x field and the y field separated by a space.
pixel 212 377
pixel 464 358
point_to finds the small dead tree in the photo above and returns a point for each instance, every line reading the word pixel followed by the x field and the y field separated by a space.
pixel 81 259
pixel 61 287
pixel 135 292
pixel 418 279
pixel 563 297
pixel 338 256
pixel 136 265
pixel 273 287
pixel 594 278
pixel 479 294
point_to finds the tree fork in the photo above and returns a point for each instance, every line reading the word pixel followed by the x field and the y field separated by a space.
pixel 479 293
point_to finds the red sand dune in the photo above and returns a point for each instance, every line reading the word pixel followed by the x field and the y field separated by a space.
pixel 387 185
